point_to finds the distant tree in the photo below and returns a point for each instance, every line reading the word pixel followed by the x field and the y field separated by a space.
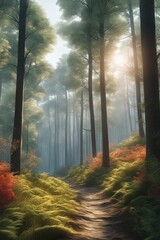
pixel 17 128
pixel 76 77
pixel 136 71
pixel 80 35
pixel 151 83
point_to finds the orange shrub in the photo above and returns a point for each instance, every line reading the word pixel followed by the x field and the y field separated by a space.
pixel 7 183
pixel 137 152
pixel 96 162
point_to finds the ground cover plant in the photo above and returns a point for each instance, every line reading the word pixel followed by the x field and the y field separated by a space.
pixel 42 209
pixel 128 184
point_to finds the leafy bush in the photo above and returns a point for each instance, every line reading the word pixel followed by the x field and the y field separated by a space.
pixel 96 162
pixel 7 183
pixel 136 190
pixel 80 174
pixel 122 173
pixel 43 205
pixel 136 152
pixel 146 214
pixel 133 140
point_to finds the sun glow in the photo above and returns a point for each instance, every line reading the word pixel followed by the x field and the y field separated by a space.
pixel 119 59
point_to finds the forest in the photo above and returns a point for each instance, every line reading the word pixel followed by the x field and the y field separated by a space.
pixel 80 140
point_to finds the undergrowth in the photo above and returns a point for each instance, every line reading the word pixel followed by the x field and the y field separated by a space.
pixel 87 176
pixel 128 184
pixel 42 210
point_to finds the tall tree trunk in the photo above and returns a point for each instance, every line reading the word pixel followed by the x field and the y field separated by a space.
pixel 91 108
pixel 81 131
pixel 70 154
pixel 17 130
pixel 50 135
pixel 128 107
pixel 66 130
pixel 56 120
pixel 136 72
pixel 150 76
pixel 105 141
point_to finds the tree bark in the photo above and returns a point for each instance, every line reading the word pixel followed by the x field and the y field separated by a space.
pixel 49 135
pixel 91 108
pixel 150 76
pixel 17 130
pixel 105 141
pixel 66 130
pixel 81 131
pixel 136 71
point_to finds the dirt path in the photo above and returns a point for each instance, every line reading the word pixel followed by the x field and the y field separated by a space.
pixel 99 219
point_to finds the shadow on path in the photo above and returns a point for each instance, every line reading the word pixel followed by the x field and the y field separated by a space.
pixel 98 218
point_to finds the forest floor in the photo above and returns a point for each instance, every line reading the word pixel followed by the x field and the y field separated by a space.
pixel 98 218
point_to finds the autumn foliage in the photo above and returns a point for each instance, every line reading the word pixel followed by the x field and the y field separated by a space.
pixel 96 162
pixel 136 152
pixel 7 180
pixel 126 154
pixel 7 183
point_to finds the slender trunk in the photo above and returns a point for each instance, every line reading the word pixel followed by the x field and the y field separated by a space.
pixel 136 72
pixel 128 107
pixel 50 136
pixel 58 132
pixel 27 138
pixel 105 141
pixel 55 136
pixel 77 149
pixel 81 131
pixel 74 133
pixel 91 108
pixel 66 130
pixel 17 131
pixel 69 134
pixel 150 76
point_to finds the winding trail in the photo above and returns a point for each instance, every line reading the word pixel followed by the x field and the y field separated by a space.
pixel 99 219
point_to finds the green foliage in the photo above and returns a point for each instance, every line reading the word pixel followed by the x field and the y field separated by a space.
pixel 42 209
pixel 87 176
pixel 133 140
pixel 153 167
pixel 80 174
pixel 128 184
pixel 122 173
pixel 96 177
pixel 146 213
pixel 47 232
pixel 129 191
